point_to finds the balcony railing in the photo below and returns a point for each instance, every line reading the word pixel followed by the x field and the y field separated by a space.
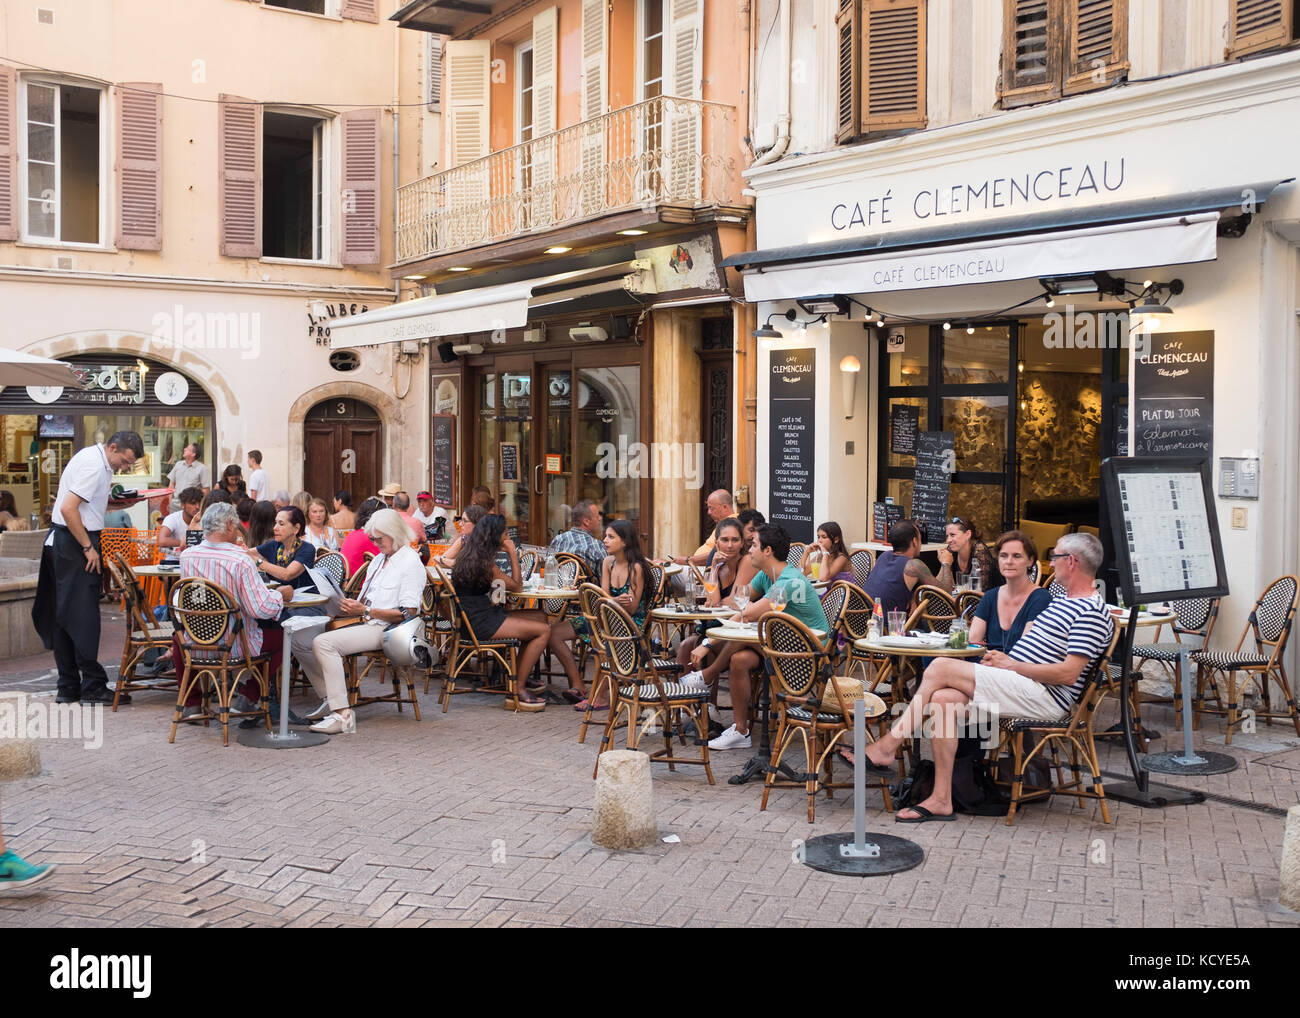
pixel 661 152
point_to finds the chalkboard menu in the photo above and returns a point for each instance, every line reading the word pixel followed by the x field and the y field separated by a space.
pixel 1121 429
pixel 444 460
pixel 1173 396
pixel 904 422
pixel 509 462
pixel 792 388
pixel 935 464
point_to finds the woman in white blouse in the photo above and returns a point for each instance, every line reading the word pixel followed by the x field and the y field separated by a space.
pixel 318 531
pixel 392 592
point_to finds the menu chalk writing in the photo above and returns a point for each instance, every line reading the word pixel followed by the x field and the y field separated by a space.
pixel 792 388
pixel 509 462
pixel 904 422
pixel 1173 387
pixel 444 460
pixel 935 464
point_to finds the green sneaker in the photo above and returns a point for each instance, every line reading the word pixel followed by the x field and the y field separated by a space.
pixel 17 874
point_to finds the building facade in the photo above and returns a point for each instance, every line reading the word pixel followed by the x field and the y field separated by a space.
pixel 983 197
pixel 189 196
pixel 568 245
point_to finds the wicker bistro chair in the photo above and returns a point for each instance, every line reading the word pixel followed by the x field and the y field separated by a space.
pixel 861 562
pixel 583 574
pixel 214 653
pixel 1270 621
pixel 143 632
pixel 352 588
pixel 438 628
pixel 801 669
pixel 1073 731
pixel 333 563
pixel 834 598
pixel 646 693
pixel 466 648
pixel 967 602
pixel 1196 617
pixel 794 557
pixel 589 596
pixel 934 607
pixel 854 621
pixel 527 563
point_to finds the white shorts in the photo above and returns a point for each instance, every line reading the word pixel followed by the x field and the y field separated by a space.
pixel 1013 695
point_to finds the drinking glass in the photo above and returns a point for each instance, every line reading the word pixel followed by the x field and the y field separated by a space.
pixel 815 565
pixel 897 620
pixel 740 595
pixel 778 598
pixel 711 580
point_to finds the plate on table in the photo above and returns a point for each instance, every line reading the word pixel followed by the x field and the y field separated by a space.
pixel 902 641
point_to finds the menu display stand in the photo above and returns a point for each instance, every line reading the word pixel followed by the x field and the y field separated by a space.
pixel 1167 548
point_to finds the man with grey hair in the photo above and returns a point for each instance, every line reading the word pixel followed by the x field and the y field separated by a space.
pixel 583 538
pixel 220 559
pixel 1040 676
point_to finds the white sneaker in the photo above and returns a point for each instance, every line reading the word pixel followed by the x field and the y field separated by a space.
pixel 730 739
pixel 695 680
pixel 336 724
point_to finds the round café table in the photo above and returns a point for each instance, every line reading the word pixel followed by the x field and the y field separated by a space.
pixel 664 620
pixel 258 738
pixel 897 651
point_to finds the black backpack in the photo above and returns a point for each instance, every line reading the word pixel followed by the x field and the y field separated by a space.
pixel 973 789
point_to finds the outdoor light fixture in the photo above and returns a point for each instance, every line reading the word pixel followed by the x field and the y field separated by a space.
pixel 767 332
pixel 947 326
pixel 458 268
pixel 1149 310
pixel 415 277
pixel 849 368
pixel 557 249
pixel 1051 301
pixel 827 304
pixel 970 330
pixel 632 233
pixel 1101 283
pixel 467 348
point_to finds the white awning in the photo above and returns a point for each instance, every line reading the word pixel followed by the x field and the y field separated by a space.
pixel 479 309
pixel 1176 240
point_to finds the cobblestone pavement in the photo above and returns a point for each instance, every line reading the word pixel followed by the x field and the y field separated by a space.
pixel 482 817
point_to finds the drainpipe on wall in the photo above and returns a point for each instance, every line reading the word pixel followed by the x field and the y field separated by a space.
pixel 783 76
pixel 747 54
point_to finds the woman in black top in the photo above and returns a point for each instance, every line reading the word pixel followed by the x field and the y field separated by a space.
pixel 286 557
pixel 481 588
pixel 232 482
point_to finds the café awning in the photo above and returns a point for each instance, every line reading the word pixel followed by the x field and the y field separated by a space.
pixel 1170 231
pixel 478 309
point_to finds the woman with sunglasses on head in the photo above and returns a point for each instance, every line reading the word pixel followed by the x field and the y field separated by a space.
pixel 465 522
pixel 730 565
pixel 286 557
pixel 965 550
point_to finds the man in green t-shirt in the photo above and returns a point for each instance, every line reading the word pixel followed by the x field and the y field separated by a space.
pixel 767 554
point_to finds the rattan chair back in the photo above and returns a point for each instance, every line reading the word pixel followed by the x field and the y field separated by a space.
pixel 967 602
pixel 935 608
pixel 861 563
pixel 799 662
pixel 334 564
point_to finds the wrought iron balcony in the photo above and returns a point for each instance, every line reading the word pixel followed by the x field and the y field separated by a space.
pixel 664 152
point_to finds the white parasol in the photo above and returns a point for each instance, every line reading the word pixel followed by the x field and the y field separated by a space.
pixel 17 368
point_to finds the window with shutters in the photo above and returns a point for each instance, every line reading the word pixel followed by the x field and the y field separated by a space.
pixel 880 49
pixel 62 167
pixel 1055 48
pixel 306 6
pixel 294 185
pixel 433 54
pixel 1258 25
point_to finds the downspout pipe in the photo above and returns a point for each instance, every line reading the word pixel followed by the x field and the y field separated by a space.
pixel 784 70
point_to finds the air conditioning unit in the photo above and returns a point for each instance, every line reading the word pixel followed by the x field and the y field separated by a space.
pixel 410 347
pixel 64 263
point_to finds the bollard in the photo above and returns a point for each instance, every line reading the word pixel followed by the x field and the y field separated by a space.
pixel 20 757
pixel 624 816
pixel 1289 885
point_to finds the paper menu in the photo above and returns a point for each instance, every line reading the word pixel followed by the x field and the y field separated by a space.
pixel 1167 531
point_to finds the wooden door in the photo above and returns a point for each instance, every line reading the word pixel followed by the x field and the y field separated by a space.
pixel 345 453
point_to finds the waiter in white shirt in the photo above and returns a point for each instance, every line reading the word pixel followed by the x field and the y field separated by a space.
pixel 66 609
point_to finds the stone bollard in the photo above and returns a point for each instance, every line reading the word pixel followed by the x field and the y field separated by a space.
pixel 1289 885
pixel 20 757
pixel 624 816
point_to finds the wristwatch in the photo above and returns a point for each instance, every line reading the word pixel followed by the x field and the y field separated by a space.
pixel 87 547
pixel 367 615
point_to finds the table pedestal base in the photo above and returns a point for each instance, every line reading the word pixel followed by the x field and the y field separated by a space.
pixel 1200 763
pixel 1155 797
pixel 885 854
pixel 260 738
pixel 757 767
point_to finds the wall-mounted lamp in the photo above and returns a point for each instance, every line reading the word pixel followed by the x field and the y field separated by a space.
pixel 767 332
pixel 849 368
pixel 1148 311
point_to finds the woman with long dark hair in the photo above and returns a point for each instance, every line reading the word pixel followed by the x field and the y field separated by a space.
pixel 729 567
pixel 834 556
pixel 286 557
pixel 481 585
pixel 964 548
pixel 261 523
pixel 8 509
pixel 343 518
pixel 232 483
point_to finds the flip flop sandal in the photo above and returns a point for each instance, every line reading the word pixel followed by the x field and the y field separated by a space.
pixel 572 695
pixel 582 706
pixel 873 770
pixel 924 816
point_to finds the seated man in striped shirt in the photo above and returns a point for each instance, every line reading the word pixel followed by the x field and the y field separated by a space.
pixel 223 561
pixel 1041 676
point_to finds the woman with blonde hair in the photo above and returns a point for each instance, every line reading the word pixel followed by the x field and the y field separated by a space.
pixel 319 532
pixel 391 594
pixel 303 501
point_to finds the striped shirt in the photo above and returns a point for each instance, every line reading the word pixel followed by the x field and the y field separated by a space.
pixel 229 566
pixel 1069 625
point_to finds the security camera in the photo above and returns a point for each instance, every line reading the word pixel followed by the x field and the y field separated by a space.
pixel 588 334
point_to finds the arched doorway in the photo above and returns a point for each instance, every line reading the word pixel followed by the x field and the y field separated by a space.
pixel 342 448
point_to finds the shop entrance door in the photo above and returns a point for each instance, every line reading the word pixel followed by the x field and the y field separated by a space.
pixel 343 449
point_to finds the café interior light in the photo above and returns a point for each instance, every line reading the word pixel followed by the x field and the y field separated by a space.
pixel 849 368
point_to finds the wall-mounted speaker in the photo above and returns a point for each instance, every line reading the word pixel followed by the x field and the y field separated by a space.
pixel 446 353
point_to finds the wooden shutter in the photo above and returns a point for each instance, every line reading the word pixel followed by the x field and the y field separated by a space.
pixel 8 153
pixel 239 147
pixel 138 172
pixel 466 110
pixel 1256 25
pixel 360 194
pixel 848 30
pixel 1096 40
pixel 436 46
pixel 361 10
pixel 595 97
pixel 893 65
pixel 541 208
pixel 1031 51
pixel 685 39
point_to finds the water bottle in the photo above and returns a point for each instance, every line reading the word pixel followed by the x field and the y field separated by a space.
pixel 974 573
pixel 549 574
pixel 874 627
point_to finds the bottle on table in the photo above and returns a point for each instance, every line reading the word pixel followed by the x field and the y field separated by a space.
pixel 975 573
pixel 550 573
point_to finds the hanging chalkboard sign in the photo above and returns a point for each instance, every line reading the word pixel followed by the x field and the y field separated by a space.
pixel 509 462
pixel 792 421
pixel 935 465
pixel 444 460
pixel 904 422
pixel 1173 396
pixel 1121 429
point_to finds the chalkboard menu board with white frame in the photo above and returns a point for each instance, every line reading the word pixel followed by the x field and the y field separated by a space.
pixel 935 464
pixel 791 413
pixel 444 460
pixel 1173 396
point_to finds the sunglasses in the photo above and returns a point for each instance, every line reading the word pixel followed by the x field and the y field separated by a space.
pixel 1059 554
